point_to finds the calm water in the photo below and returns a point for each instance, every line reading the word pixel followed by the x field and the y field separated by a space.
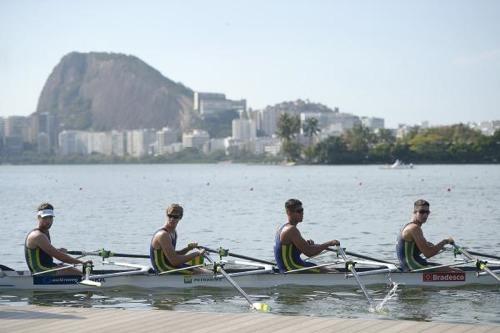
pixel 239 207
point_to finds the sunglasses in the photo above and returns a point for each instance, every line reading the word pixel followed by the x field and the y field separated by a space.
pixel 178 217
pixel 423 211
pixel 299 210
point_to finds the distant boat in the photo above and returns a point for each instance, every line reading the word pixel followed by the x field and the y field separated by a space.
pixel 398 165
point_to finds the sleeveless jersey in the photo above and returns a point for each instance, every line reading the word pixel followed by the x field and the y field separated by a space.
pixel 408 254
pixel 160 262
pixel 288 256
pixel 37 259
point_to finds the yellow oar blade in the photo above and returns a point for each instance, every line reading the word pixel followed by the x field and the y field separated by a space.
pixel 261 307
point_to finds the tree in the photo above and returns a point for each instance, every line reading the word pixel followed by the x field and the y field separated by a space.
pixel 311 129
pixel 288 128
pixel 359 139
pixel 333 150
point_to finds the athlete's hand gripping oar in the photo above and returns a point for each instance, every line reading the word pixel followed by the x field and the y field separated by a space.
pixel 257 306
pixel 479 263
pixel 361 256
pixel 224 253
pixel 350 266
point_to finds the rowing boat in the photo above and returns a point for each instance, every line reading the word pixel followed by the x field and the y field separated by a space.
pixel 249 278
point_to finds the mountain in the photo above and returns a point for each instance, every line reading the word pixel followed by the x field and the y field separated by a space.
pixel 105 91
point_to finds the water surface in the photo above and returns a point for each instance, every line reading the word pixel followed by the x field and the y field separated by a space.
pixel 239 207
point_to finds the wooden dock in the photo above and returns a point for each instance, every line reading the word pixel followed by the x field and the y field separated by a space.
pixel 65 319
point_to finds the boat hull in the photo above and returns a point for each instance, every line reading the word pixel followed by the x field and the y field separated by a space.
pixel 23 280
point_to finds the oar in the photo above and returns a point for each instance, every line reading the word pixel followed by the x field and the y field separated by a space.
pixel 484 255
pixel 442 266
pixel 65 266
pixel 257 306
pixel 480 264
pixel 361 256
pixel 312 267
pixel 224 253
pixel 350 266
pixel 107 254
pixel 180 269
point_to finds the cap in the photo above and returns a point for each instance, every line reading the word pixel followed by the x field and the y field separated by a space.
pixel 45 212
pixel 175 209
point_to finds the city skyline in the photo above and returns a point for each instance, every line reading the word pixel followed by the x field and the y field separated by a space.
pixel 406 63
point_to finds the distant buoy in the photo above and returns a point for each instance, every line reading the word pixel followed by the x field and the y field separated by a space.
pixel 251 188
pixel 81 188
pixel 449 189
pixel 360 183
pixel 208 183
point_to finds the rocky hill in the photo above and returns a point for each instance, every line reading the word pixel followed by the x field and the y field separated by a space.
pixel 298 106
pixel 104 91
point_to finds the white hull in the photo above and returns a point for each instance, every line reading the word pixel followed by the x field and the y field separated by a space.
pixel 10 280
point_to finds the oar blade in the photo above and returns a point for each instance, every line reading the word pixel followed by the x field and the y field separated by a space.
pixel 261 307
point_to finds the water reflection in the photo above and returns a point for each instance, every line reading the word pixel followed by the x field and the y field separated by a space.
pixel 479 304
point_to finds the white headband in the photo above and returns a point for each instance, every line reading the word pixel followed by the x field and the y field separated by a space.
pixel 46 212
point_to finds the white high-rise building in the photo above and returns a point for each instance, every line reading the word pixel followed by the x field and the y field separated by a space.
pixel 373 123
pixel 118 143
pixel 244 130
pixel 269 121
pixel 212 103
pixel 140 142
pixel 195 139
pixel 73 142
pixel 164 138
pixel 100 143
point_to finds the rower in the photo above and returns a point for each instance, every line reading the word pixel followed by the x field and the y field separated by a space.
pixel 289 244
pixel 163 255
pixel 39 251
pixel 412 243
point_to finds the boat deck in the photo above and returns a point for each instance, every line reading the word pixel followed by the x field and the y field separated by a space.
pixel 63 319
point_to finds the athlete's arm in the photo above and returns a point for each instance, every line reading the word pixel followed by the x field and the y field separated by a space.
pixel 173 257
pixel 427 248
pixel 293 235
pixel 42 242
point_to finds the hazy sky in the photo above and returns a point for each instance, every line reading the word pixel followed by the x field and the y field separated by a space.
pixel 405 61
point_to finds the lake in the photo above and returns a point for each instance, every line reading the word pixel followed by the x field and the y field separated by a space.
pixel 236 206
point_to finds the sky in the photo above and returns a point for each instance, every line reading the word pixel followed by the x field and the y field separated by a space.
pixel 404 61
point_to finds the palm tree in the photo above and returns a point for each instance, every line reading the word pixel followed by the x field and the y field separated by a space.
pixel 311 129
pixel 288 128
